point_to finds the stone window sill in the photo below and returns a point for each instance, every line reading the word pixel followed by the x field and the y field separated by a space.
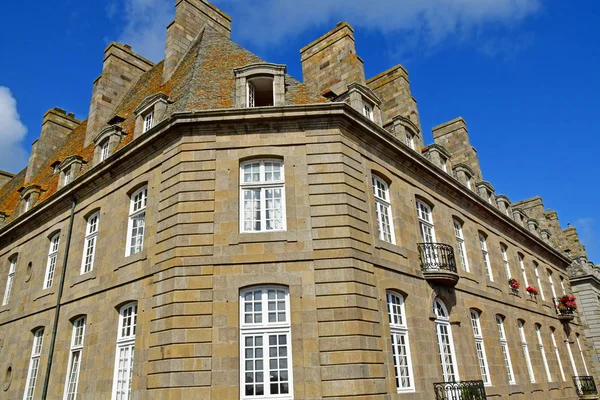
pixel 4 308
pixel 44 293
pixel 393 248
pixel 493 285
pixel 132 259
pixel 84 278
pixel 261 237
pixel 468 275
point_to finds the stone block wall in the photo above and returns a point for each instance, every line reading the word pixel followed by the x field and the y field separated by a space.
pixel 453 135
pixel 331 62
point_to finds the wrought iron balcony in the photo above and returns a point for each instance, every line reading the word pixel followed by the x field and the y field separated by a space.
pixel 464 390
pixel 585 386
pixel 438 263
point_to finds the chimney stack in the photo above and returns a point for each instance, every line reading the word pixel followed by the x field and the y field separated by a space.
pixel 453 135
pixel 56 127
pixel 120 71
pixel 330 63
pixel 5 177
pixel 191 16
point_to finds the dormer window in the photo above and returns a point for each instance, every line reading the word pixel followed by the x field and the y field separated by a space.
pixel 260 91
pixel 29 196
pixel 27 205
pixel 104 151
pixel 106 142
pixel 148 121
pixel 410 140
pixel 260 85
pixel 67 176
pixel 368 111
pixel 69 169
pixel 150 113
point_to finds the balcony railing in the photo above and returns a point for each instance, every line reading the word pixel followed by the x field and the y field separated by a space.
pixel 464 390
pixel 437 256
pixel 585 385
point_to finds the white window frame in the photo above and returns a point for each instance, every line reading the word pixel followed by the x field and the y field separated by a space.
pixel 148 121
pixel 34 364
pixel 526 351
pixel 383 210
pixel 562 284
pixel 67 176
pixel 505 351
pixel 409 139
pixel 75 357
pixel 264 330
pixel 90 243
pixel 460 245
pixel 400 344
pixel 443 330
pixel 52 261
pixel 250 94
pixel 27 203
pixel 571 358
pixel 560 365
pixel 486 257
pixel 552 288
pixel 104 150
pixel 505 261
pixel 543 352
pixel 425 217
pixel 137 217
pixel 539 281
pixel 262 186
pixel 523 272
pixel 587 373
pixel 480 348
pixel 368 111
pixel 468 182
pixel 10 280
pixel 125 343
pixel 443 162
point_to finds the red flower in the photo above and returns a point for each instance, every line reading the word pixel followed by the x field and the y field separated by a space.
pixel 532 290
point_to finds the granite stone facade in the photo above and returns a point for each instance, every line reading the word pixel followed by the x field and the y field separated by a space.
pixel 331 258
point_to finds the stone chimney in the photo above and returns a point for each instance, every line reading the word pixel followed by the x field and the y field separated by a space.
pixel 393 88
pixel 5 177
pixel 453 135
pixel 56 127
pixel 120 71
pixel 330 63
pixel 577 249
pixel 191 16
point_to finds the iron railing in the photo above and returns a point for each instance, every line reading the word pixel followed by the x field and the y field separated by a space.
pixel 464 390
pixel 436 256
pixel 585 385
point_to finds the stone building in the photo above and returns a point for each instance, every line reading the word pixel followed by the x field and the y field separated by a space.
pixel 217 229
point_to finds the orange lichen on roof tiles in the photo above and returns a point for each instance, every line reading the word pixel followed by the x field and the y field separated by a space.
pixel 9 195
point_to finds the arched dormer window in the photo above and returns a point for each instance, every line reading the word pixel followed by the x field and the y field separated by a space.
pixel 260 85
pixel 465 175
pixel 106 142
pixel 69 169
pixel 29 196
pixel 150 112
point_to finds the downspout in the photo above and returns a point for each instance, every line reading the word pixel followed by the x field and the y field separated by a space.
pixel 57 311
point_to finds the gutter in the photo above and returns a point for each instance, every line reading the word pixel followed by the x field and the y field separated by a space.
pixel 60 291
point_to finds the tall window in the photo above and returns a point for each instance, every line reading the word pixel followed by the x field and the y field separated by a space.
pixel 148 121
pixel 543 352
pixel 445 342
pixel 137 221
pixel 562 285
pixel 67 176
pixel 34 364
pixel 265 340
pixel 427 231
pixel 75 359
pixel 383 210
pixel 262 193
pixel 368 111
pixel 581 354
pixel 104 151
pixel 10 280
pixel 526 351
pixel 27 205
pixel 504 252
pixel 505 352
pixel 400 346
pixel 552 289
pixel 539 281
pixel 480 348
pixel 460 245
pixel 125 350
pixel 522 265
pixel 486 258
pixel 409 140
pixel 89 249
pixel 571 358
pixel 51 265
pixel 560 366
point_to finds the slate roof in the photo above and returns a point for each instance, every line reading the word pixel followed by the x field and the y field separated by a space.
pixel 204 80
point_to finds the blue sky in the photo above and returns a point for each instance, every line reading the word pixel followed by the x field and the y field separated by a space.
pixel 523 74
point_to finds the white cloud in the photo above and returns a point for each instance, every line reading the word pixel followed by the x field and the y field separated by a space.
pixel 145 26
pixel 587 235
pixel 13 157
pixel 273 22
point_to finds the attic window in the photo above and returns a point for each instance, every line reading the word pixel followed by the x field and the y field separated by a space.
pixel 368 111
pixel 67 176
pixel 27 205
pixel 260 92
pixel 410 140
pixel 148 121
pixel 104 151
